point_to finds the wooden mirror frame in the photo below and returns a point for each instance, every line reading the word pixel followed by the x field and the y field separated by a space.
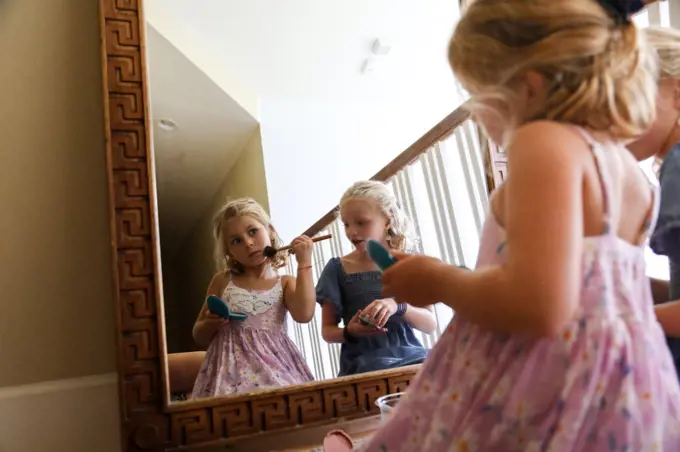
pixel 148 421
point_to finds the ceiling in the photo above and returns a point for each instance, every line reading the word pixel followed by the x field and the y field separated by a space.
pixel 311 48
pixel 295 66
pixel 192 160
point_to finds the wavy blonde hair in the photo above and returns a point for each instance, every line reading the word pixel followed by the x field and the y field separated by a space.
pixel 598 71
pixel 665 42
pixel 400 231
pixel 237 208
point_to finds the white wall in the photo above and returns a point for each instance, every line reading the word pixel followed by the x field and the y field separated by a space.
pixel 193 266
pixel 174 29
pixel 324 124
pixel 313 150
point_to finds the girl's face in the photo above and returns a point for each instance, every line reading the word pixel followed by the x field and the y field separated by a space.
pixel 655 141
pixel 246 238
pixel 364 220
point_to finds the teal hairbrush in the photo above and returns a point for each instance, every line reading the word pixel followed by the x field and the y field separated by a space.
pixel 217 306
pixel 379 255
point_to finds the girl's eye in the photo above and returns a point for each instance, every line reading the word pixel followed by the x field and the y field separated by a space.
pixel 235 241
pixel 252 232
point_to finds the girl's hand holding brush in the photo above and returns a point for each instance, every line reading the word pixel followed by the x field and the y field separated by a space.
pixel 301 247
pixel 270 251
pixel 301 298
pixel 416 279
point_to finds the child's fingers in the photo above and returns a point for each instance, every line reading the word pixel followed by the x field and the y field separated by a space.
pixel 399 254
pixel 355 319
pixel 373 310
pixel 382 319
pixel 377 312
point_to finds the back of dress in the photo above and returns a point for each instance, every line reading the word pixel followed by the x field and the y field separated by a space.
pixel 605 382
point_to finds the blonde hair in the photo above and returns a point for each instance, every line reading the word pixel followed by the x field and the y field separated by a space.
pixel 598 71
pixel 237 208
pixel 665 42
pixel 400 235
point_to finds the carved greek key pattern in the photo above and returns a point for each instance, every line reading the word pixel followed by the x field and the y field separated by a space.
pixel 283 409
pixel 146 423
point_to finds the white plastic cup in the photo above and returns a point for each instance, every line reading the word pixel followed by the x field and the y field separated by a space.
pixel 387 404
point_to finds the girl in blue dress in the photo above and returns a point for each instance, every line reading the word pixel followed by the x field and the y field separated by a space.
pixel 350 287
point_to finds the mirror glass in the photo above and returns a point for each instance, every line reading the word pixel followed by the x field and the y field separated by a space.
pixel 289 103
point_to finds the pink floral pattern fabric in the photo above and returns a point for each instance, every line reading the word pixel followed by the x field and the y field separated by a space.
pixel 605 383
pixel 255 353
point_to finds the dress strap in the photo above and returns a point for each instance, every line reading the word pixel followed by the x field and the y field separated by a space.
pixel 603 173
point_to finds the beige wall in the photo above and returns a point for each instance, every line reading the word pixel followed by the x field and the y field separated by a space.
pixel 56 327
pixel 674 9
pixel 192 268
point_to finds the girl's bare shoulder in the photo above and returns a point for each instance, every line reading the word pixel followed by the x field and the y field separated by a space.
pixel 219 282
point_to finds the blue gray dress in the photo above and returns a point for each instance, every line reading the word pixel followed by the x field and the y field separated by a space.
pixel 666 237
pixel 349 293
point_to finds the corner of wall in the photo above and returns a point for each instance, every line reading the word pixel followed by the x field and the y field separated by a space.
pixel 159 17
pixel 194 260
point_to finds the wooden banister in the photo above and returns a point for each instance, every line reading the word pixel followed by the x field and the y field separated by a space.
pixel 437 133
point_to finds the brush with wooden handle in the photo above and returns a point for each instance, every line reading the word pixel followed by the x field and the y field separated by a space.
pixel 270 251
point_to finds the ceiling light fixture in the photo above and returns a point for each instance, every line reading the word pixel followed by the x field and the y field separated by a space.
pixel 368 65
pixel 380 48
pixel 167 124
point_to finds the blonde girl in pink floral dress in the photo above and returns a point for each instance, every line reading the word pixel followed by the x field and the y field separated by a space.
pixel 554 346
pixel 255 353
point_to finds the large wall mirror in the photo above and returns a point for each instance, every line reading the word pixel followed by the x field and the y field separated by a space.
pixel 288 104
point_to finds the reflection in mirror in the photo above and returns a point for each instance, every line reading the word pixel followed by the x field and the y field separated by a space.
pixel 289 115
pixel 443 194
pixel 378 333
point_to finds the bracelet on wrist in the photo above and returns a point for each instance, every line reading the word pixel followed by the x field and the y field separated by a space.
pixel 307 267
pixel 348 336
pixel 401 309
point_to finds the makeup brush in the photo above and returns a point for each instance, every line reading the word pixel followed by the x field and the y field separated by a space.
pixel 270 251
